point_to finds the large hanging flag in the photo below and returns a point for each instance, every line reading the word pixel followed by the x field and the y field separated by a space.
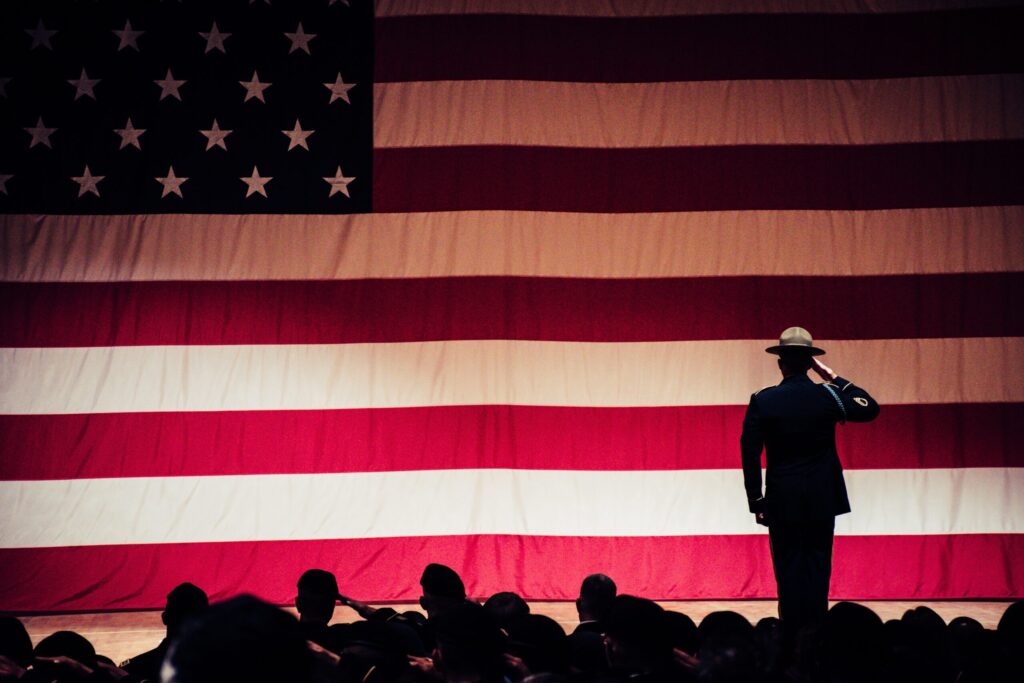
pixel 489 283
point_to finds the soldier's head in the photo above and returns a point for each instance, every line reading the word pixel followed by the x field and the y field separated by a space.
pixel 795 349
pixel 794 362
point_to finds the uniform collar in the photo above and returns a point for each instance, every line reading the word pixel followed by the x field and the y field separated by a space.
pixel 796 378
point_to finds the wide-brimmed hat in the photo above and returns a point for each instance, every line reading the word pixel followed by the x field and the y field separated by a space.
pixel 793 339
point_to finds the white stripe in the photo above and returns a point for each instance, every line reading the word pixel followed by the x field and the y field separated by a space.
pixel 660 8
pixel 436 503
pixel 697 114
pixel 37 248
pixel 298 377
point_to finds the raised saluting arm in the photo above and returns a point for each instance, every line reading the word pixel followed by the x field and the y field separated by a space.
pixel 858 406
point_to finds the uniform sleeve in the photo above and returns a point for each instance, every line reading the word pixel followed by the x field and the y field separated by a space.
pixel 751 444
pixel 859 405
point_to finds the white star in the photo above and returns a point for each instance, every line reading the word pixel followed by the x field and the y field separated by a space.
pixel 87 182
pixel 339 89
pixel 84 85
pixel 40 36
pixel 40 134
pixel 4 177
pixel 169 86
pixel 339 183
pixel 256 183
pixel 300 40
pixel 254 88
pixel 3 86
pixel 172 183
pixel 215 39
pixel 130 135
pixel 128 37
pixel 215 137
pixel 297 136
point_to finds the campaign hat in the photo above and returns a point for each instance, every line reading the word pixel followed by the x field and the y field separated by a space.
pixel 795 339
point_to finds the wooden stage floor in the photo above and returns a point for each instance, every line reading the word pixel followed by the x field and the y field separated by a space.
pixel 120 635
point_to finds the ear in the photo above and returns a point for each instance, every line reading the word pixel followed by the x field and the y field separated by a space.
pixel 163 617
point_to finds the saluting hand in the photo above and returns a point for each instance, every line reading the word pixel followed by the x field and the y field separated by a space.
pixel 824 371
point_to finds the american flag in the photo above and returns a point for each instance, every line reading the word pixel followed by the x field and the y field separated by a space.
pixel 365 286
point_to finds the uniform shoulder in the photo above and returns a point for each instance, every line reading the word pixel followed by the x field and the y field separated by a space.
pixel 763 390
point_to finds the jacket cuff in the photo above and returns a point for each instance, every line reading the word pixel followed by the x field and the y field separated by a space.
pixel 841 383
pixel 756 505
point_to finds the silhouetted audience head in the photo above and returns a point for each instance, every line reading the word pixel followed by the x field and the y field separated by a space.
pixel 596 596
pixel 635 636
pixel 505 608
pixel 769 645
pixel 540 643
pixel 682 632
pixel 442 589
pixel 849 631
pixel 726 650
pixel 1011 628
pixel 63 644
pixel 927 645
pixel 185 601
pixel 242 639
pixel 15 643
pixel 966 636
pixel 375 650
pixel 468 644
pixel 723 625
pixel 317 594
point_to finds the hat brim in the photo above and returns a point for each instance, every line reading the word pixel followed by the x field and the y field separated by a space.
pixel 779 348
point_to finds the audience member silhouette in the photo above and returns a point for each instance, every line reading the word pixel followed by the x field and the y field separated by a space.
pixel 536 644
pixel 596 596
pixel 637 640
pixel 768 646
pixel 242 639
pixel 66 657
pixel 682 632
pixel 1011 629
pixel 726 651
pixel 469 645
pixel 442 590
pixel 317 594
pixel 966 637
pixel 185 601
pixel 505 608
pixel 15 647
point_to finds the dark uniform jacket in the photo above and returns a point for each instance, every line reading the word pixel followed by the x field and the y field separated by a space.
pixel 795 424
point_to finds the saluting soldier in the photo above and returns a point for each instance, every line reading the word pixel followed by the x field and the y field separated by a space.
pixel 794 423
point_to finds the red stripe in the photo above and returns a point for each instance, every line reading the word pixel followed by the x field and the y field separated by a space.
pixel 458 437
pixel 843 177
pixel 537 567
pixel 350 311
pixel 694 48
